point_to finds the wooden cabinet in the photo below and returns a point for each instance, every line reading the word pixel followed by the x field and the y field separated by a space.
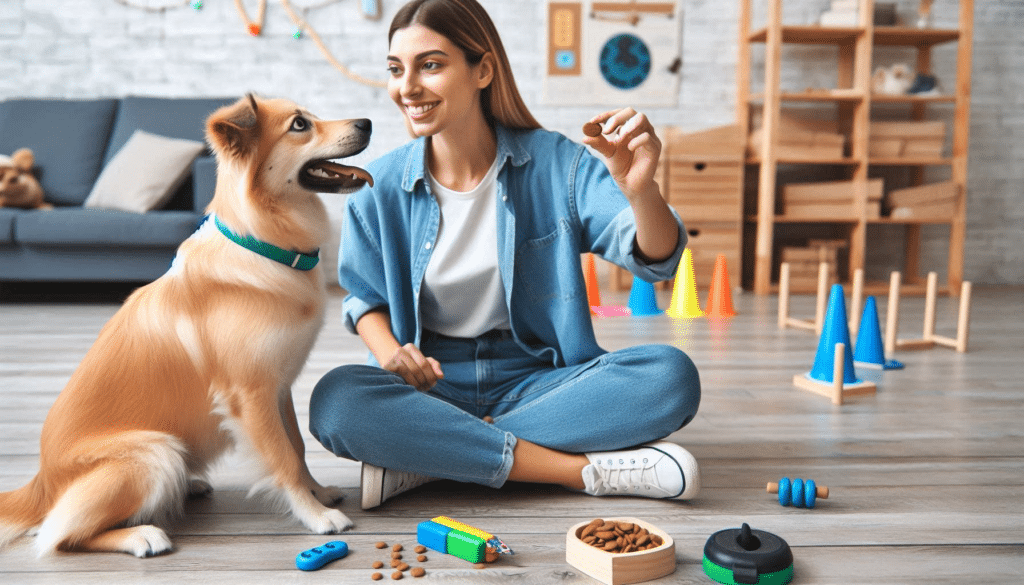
pixel 911 146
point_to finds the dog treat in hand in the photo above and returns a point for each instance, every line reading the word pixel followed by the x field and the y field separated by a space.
pixel 592 129
pixel 618 537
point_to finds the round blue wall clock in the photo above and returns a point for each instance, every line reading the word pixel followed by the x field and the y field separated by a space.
pixel 625 61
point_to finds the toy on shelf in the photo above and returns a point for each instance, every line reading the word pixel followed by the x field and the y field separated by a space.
pixel 928 338
pixel 316 557
pixel 833 374
pixel 745 555
pixel 460 540
pixel 685 304
pixel 799 493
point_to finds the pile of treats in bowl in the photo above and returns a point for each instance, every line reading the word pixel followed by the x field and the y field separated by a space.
pixel 619 537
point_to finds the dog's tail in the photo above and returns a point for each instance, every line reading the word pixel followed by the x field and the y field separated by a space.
pixel 21 510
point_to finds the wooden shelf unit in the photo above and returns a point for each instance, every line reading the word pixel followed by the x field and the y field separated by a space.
pixel 852 100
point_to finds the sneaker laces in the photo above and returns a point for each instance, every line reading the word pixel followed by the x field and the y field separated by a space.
pixel 623 479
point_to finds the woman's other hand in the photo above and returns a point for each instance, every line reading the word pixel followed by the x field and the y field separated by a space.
pixel 416 369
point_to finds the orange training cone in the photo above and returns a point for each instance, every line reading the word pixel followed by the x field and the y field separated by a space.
pixel 684 291
pixel 590 280
pixel 719 303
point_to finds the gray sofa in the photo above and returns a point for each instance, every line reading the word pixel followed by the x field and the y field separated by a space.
pixel 72 141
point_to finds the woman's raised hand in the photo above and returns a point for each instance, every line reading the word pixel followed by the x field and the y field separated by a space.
pixel 627 141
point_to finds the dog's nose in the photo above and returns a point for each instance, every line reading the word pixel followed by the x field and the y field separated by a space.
pixel 364 125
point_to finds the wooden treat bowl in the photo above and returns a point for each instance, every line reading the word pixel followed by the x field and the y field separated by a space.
pixel 621 568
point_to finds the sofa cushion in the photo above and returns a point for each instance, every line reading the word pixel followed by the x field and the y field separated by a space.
pixel 76 226
pixel 171 117
pixel 145 173
pixel 7 225
pixel 68 138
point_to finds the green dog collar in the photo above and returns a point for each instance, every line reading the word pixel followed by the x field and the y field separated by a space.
pixel 296 260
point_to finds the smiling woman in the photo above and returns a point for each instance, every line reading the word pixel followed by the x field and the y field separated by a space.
pixel 462 265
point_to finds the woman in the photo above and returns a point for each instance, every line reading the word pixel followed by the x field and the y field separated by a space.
pixel 462 265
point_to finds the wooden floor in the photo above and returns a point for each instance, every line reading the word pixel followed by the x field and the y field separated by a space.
pixel 927 476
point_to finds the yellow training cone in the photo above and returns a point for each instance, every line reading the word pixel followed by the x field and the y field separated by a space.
pixel 684 291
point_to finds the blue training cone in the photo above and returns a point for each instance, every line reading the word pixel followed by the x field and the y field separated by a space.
pixel 870 351
pixel 642 300
pixel 834 330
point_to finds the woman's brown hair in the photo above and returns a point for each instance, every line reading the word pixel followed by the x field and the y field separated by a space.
pixel 466 24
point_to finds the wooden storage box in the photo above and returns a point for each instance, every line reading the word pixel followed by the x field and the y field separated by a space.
pixel 909 139
pixel 829 199
pixel 621 568
pixel 932 201
pixel 801 139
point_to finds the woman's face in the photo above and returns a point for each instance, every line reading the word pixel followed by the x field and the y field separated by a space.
pixel 434 86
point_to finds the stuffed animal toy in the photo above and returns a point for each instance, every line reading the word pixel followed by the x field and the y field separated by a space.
pixel 18 186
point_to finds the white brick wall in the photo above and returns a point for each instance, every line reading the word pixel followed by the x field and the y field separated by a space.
pixel 89 48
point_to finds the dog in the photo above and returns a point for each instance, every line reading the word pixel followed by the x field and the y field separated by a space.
pixel 203 358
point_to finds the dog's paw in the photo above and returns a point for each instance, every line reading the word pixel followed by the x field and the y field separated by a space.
pixel 198 488
pixel 147 541
pixel 328 495
pixel 331 521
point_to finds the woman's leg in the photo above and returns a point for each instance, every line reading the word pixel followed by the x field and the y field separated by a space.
pixel 621 399
pixel 371 415
pixel 654 390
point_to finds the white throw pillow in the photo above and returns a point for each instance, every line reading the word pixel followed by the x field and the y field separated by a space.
pixel 145 173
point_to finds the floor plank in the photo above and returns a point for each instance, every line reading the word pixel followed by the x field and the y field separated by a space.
pixel 927 476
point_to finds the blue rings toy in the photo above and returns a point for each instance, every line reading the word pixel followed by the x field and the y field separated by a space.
pixel 799 493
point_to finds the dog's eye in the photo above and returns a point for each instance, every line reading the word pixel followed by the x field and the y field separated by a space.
pixel 300 124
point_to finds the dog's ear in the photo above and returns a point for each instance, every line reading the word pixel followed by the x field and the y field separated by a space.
pixel 232 130
pixel 23 159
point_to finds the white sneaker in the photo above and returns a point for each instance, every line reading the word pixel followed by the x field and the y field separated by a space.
pixel 655 470
pixel 379 484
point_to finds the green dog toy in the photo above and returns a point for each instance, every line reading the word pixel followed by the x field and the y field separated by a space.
pixel 748 557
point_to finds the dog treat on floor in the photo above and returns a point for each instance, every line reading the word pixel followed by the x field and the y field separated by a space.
pixel 420 549
pixel 376 576
pixel 377 564
pixel 397 575
pixel 418 572
pixel 382 544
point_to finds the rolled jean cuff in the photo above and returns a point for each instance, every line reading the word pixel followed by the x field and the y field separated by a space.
pixel 507 459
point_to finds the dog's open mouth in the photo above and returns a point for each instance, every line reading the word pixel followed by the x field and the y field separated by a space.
pixel 325 176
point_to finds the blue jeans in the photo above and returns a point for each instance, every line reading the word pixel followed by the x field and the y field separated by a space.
pixel 618 400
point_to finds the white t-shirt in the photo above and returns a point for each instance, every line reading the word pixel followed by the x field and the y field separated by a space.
pixel 463 294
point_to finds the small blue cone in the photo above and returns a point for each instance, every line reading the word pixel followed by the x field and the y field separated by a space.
pixel 642 300
pixel 870 352
pixel 834 330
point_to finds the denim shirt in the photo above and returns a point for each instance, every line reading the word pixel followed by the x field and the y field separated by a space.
pixel 556 201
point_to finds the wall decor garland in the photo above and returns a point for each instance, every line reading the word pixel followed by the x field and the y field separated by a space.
pixel 254 26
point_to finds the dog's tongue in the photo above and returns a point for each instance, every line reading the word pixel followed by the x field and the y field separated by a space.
pixel 339 169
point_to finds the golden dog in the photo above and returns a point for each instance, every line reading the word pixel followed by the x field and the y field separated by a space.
pixel 204 357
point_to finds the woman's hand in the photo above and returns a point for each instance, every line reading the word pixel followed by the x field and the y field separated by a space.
pixel 630 147
pixel 416 369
